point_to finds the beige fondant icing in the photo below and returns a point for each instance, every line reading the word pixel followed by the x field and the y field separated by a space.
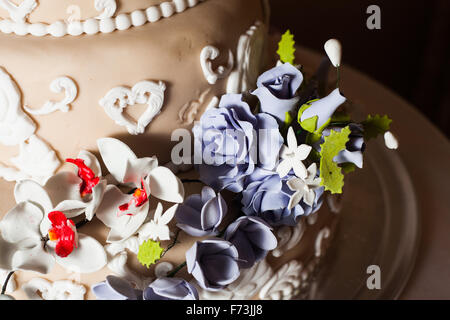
pixel 100 62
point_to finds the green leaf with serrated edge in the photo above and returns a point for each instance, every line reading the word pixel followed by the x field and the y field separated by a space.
pixel 375 125
pixel 330 173
pixel 149 252
pixel 286 48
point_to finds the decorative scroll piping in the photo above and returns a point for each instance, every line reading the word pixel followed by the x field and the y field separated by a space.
pixel 189 111
pixel 245 287
pixel 93 25
pixel 41 289
pixel 36 159
pixel 319 244
pixel 15 125
pixel 209 54
pixel 109 7
pixel 285 284
pixel 145 92
pixel 58 85
pixel 289 237
pixel 249 58
pixel 18 13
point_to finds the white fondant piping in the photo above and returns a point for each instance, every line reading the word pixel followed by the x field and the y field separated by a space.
pixel 58 85
pixel 119 98
pixel 109 7
pixel 210 53
pixel 104 25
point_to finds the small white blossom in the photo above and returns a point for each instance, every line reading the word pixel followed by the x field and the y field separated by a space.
pixel 292 156
pixel 304 188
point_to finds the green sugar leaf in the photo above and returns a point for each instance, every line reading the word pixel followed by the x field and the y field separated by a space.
pixel 330 173
pixel 286 48
pixel 149 252
pixel 375 125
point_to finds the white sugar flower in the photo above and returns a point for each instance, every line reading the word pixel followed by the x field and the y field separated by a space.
pixel 304 188
pixel 157 228
pixel 24 226
pixel 125 213
pixel 293 156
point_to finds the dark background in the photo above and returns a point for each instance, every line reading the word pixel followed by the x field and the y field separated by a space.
pixel 409 54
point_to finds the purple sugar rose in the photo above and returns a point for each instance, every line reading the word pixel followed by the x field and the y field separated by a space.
pixel 230 142
pixel 170 289
pixel 253 238
pixel 277 90
pixel 267 196
pixel 115 288
pixel 213 263
pixel 201 214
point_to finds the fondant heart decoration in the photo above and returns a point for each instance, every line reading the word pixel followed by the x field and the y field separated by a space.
pixel 144 92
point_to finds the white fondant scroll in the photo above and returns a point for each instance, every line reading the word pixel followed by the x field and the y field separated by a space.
pixel 109 7
pixel 249 58
pixel 285 284
pixel 144 92
pixel 210 53
pixel 15 125
pixel 58 85
pixel 18 13
pixel 41 289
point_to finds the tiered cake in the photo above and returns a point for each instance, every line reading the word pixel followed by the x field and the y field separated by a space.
pixel 133 70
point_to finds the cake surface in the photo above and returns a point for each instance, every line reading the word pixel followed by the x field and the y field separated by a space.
pixel 166 51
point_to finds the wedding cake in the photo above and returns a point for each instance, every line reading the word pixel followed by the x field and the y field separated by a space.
pixel 102 197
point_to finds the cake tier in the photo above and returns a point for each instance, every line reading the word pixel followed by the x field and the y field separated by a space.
pixel 167 53
pixel 283 274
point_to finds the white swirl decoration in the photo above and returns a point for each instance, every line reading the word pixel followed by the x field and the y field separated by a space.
pixel 15 125
pixel 41 289
pixel 109 7
pixel 245 287
pixel 209 54
pixel 106 22
pixel 285 284
pixel 144 92
pixel 58 85
pixel 249 58
pixel 18 13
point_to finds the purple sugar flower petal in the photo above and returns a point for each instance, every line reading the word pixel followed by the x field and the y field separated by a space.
pixel 213 263
pixel 201 215
pixel 253 239
pixel 170 289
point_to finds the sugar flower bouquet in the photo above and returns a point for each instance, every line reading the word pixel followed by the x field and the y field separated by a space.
pixel 278 149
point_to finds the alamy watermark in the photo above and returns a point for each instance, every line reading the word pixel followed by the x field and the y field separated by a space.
pixel 373 282
pixel 229 146
pixel 374 20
